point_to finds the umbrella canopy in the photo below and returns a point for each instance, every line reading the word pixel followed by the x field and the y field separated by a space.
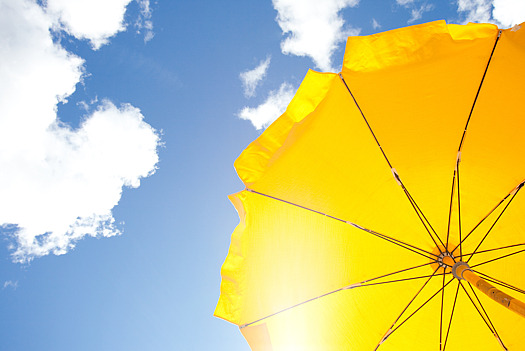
pixel 372 185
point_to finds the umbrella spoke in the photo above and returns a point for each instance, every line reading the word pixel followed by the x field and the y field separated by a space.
pixel 458 161
pixel 416 208
pixel 368 125
pixel 423 219
pixel 441 315
pixel 498 258
pixel 461 146
pixel 392 329
pixel 407 246
pixel 496 221
pixel 397 272
pixel 495 249
pixel 348 287
pixel 499 282
pixel 477 93
pixel 392 240
pixel 479 223
pixel 513 192
pixel 294 306
pixel 399 280
pixel 483 315
pixel 459 203
pixel 451 201
pixel 451 315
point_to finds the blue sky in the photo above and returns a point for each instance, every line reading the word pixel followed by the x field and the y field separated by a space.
pixel 119 124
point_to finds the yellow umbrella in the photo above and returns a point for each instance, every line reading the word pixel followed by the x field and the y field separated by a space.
pixel 376 183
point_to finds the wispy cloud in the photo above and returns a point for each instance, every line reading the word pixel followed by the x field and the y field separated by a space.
pixel 59 184
pixel 313 28
pixel 10 284
pixel 144 22
pixel 416 10
pixel 375 24
pixel 476 10
pixel 250 79
pixel 274 106
pixel 417 13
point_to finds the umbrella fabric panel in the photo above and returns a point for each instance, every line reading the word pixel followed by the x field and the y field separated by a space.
pixel 278 274
pixel 493 159
pixel 503 237
pixel 282 256
pixel 358 319
pixel 254 159
pixel 417 100
pixel 329 162
pixel 412 45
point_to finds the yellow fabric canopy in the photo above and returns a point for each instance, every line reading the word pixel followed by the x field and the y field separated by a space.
pixel 367 180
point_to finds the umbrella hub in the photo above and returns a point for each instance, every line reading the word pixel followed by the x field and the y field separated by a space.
pixel 446 260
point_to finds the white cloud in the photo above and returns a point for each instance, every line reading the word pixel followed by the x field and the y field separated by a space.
pixel 10 283
pixel 94 20
pixel 375 24
pixel 504 13
pixel 274 106
pixel 58 184
pixel 417 13
pixel 143 22
pixel 313 28
pixel 509 12
pixel 250 79
pixel 476 10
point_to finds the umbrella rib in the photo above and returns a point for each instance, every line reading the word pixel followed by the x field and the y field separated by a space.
pixel 479 90
pixel 392 329
pixel 497 258
pixel 368 125
pixel 423 304
pixel 450 207
pixel 476 307
pixel 397 242
pixel 441 315
pixel 400 280
pixel 423 219
pixel 496 221
pixel 451 315
pixel 396 272
pixel 487 321
pixel 416 208
pixel 291 307
pixel 494 249
pixel 499 282
pixel 459 206
pixel 463 139
pixel 483 308
pixel 351 286
pixel 400 243
pixel 512 192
